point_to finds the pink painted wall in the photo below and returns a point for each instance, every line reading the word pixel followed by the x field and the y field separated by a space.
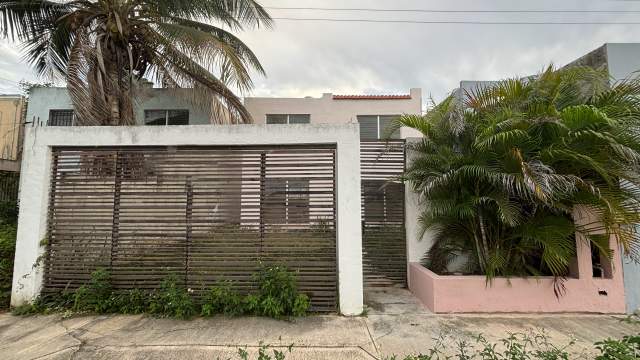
pixel 472 294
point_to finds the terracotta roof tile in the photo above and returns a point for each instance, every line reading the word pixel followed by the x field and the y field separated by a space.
pixel 372 97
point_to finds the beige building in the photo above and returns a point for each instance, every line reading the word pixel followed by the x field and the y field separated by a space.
pixel 373 112
pixel 11 107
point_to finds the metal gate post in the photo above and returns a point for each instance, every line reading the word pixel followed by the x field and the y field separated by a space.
pixel 188 218
pixel 115 226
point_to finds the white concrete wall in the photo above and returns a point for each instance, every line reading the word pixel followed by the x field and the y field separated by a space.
pixel 416 246
pixel 326 110
pixel 41 100
pixel 623 61
pixel 35 179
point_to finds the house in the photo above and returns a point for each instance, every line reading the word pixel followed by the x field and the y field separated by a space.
pixel 372 112
pixel 53 107
pixel 234 195
pixel 621 61
pixel 11 108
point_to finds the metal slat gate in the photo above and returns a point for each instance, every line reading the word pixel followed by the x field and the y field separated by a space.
pixel 201 213
pixel 384 254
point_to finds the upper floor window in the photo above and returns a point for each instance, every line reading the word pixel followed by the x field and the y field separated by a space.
pixel 374 127
pixel 166 117
pixel 60 118
pixel 288 118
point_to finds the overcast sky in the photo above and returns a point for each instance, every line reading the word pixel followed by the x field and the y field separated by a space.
pixel 307 58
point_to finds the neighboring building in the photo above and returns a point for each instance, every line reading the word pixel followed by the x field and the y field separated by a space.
pixel 11 107
pixel 621 61
pixel 373 112
pixel 53 107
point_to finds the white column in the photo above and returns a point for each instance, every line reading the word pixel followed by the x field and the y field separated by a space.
pixel 35 177
pixel 349 227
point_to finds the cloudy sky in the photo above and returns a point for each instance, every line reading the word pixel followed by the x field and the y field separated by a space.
pixel 307 58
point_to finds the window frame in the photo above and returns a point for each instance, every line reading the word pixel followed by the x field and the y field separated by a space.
pixel 378 118
pixel 166 116
pixel 73 116
pixel 288 116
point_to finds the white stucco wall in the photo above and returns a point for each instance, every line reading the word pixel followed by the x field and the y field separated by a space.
pixel 36 172
pixel 327 110
pixel 41 100
pixel 623 62
pixel 416 246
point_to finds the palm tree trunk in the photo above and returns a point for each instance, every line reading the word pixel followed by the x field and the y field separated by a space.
pixel 115 111
pixel 483 232
pixel 481 260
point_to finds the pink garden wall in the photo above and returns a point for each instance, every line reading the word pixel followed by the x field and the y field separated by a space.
pixel 472 294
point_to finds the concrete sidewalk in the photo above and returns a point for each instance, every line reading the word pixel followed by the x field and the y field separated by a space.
pixel 395 324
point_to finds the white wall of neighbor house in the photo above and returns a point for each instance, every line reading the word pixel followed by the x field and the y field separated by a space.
pixel 329 110
pixel 35 180
pixel 43 100
pixel 417 245
pixel 623 61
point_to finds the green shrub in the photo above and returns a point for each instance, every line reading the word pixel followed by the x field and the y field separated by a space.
pixel 278 293
pixel 301 305
pixel 626 349
pixel 97 296
pixel 47 303
pixel 172 300
pixel 8 228
pixel 222 299
pixel 277 297
pixel 134 301
pixel 251 304
pixel 7 253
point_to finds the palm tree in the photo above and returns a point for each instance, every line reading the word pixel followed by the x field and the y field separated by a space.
pixel 502 174
pixel 105 48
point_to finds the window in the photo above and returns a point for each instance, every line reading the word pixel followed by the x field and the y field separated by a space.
pixel 374 127
pixel 166 117
pixel 60 118
pixel 286 201
pixel 288 118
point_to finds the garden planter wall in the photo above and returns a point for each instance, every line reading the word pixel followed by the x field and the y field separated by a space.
pixel 472 294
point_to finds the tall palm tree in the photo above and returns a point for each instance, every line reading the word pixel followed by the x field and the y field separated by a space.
pixel 105 48
pixel 502 174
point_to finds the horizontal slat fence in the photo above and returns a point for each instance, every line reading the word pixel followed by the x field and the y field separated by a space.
pixel 202 213
pixel 9 184
pixel 383 229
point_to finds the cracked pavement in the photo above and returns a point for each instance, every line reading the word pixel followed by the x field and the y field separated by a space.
pixel 395 324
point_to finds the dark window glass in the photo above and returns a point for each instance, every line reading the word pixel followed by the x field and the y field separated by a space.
pixel 368 127
pixel 386 123
pixel 166 117
pixel 155 117
pixel 178 117
pixel 60 118
pixel 276 119
pixel 299 119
